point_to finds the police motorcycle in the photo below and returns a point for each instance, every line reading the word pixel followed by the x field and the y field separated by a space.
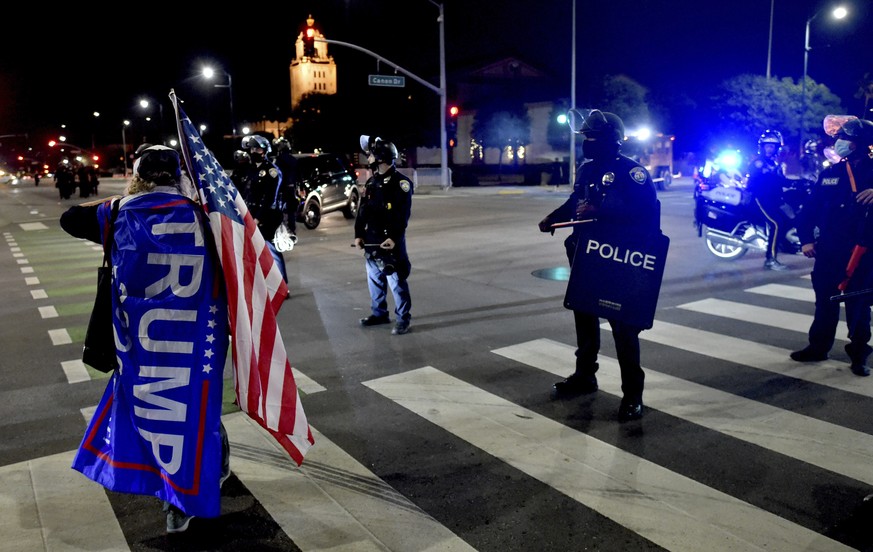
pixel 725 214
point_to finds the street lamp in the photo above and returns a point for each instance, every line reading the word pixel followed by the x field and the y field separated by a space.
pixel 93 130
pixel 144 103
pixel 838 13
pixel 208 73
pixel 124 126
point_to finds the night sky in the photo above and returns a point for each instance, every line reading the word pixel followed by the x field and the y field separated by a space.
pixel 60 66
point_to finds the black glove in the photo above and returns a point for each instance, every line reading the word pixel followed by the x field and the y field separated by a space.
pixel 545 225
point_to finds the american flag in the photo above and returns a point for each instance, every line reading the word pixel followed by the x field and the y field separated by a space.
pixel 263 379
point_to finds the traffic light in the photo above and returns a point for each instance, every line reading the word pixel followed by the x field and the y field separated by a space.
pixel 452 126
pixel 309 38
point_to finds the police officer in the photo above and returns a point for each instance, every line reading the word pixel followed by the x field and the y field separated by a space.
pixel 380 230
pixel 260 191
pixel 287 165
pixel 766 182
pixel 618 191
pixel 835 229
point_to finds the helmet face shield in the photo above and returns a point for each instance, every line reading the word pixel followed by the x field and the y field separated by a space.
pixel 366 141
pixel 255 141
pixel 603 126
pixel 833 123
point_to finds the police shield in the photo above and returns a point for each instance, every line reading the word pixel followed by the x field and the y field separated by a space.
pixel 617 275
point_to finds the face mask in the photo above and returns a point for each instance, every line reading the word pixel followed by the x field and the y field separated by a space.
pixel 844 148
pixel 598 149
pixel 256 157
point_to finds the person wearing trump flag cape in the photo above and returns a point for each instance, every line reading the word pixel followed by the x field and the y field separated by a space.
pixel 192 278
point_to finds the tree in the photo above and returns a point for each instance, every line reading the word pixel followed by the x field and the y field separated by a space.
pixel 501 125
pixel 626 98
pixel 865 91
pixel 746 105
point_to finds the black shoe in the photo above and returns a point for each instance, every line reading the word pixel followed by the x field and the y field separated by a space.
pixel 400 328
pixel 373 320
pixel 629 411
pixel 773 264
pixel 808 355
pixel 574 386
pixel 860 369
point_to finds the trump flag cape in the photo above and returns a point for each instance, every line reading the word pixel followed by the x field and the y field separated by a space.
pixel 263 380
pixel 156 430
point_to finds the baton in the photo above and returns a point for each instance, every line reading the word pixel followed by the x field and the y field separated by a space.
pixel 571 223
pixel 367 245
pixel 852 295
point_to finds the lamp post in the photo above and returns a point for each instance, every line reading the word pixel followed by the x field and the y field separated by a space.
pixel 444 156
pixel 93 131
pixel 838 13
pixel 573 94
pixel 124 126
pixel 209 72
pixel 770 39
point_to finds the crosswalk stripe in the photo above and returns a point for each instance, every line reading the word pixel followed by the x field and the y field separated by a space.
pixel 332 502
pixel 786 292
pixel 756 355
pixel 829 446
pixel 669 509
pixel 46 505
pixel 60 337
pixel 754 314
pixel 75 371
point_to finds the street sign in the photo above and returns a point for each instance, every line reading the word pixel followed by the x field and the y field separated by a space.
pixel 386 80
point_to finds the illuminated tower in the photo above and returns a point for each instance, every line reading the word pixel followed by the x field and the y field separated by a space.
pixel 312 70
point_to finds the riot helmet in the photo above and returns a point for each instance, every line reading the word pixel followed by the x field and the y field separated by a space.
pixel 810 147
pixel 382 151
pixel 856 130
pixel 601 125
pixel 256 141
pixel 832 124
pixel 770 137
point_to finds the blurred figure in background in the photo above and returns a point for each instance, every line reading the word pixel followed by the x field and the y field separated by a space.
pixel 766 182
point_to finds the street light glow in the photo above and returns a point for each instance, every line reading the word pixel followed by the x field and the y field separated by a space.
pixel 840 12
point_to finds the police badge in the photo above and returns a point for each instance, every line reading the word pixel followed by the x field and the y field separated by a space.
pixel 638 174
pixel 608 178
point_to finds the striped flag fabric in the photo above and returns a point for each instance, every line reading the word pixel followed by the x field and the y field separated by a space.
pixel 263 380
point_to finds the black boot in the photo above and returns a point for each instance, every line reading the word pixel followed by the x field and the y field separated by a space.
pixel 580 383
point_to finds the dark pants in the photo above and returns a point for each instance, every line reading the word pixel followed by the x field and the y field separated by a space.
pixel 827 274
pixel 777 225
pixel 627 346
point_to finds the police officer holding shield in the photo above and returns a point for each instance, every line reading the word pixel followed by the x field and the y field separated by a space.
pixel 613 190
pixel 380 230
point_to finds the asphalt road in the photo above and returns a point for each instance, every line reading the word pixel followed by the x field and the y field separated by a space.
pixel 740 448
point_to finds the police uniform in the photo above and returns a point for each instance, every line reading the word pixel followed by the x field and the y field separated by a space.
pixel 260 185
pixel 383 214
pixel 765 183
pixel 622 194
pixel 841 223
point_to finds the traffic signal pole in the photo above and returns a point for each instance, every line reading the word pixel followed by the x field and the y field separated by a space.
pixel 441 91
